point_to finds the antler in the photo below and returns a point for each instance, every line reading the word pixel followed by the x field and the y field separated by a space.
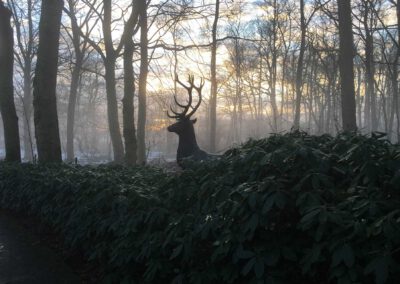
pixel 186 107
pixel 198 90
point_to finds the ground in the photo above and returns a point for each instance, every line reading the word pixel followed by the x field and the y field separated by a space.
pixel 24 259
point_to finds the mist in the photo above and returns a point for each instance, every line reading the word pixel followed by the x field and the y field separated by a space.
pixel 266 79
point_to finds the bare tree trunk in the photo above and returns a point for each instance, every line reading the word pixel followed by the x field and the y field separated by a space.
pixel 346 66
pixel 112 110
pixel 397 105
pixel 27 107
pixel 141 136
pixel 329 109
pixel 28 99
pixel 394 74
pixel 259 93
pixel 76 75
pixel 128 107
pixel 370 73
pixel 299 72
pixel 273 73
pixel 370 96
pixel 112 105
pixel 7 106
pixel 71 107
pixel 394 90
pixel 26 51
pixel 44 84
pixel 359 98
pixel 240 108
pixel 285 92
pixel 213 97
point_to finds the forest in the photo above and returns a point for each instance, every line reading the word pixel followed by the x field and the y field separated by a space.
pixel 269 67
pixel 202 141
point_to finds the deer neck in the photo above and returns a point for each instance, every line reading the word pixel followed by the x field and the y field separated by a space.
pixel 187 145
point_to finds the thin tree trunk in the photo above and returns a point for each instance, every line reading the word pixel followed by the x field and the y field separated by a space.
pixel 346 64
pixel 273 74
pixel 112 110
pixel 112 104
pixel 285 91
pixel 359 98
pixel 238 91
pixel 370 73
pixel 76 75
pixel 28 99
pixel 370 96
pixel 141 135
pixel 299 72
pixel 259 93
pixel 213 97
pixel 127 105
pixel 76 72
pixel 397 106
pixel 7 106
pixel 27 109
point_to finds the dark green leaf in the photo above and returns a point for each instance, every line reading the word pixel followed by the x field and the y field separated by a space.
pixel 259 268
pixel 378 266
pixel 343 254
pixel 249 265
pixel 176 251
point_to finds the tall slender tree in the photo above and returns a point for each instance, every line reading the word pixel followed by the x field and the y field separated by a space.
pixel 144 69
pixel 110 52
pixel 213 67
pixel 110 64
pixel 397 101
pixel 300 63
pixel 7 106
pixel 370 94
pixel 346 66
pixel 395 111
pixel 44 83
pixel 128 110
pixel 25 52
pixel 80 46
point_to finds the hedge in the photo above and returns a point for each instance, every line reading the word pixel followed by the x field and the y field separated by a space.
pixel 292 208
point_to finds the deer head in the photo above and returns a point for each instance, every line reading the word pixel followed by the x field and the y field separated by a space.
pixel 184 125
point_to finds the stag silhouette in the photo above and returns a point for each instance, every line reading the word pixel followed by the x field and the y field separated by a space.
pixel 187 147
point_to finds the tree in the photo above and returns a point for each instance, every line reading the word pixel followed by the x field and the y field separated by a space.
pixel 7 106
pixel 396 105
pixel 25 52
pixel 128 111
pixel 80 46
pixel 370 94
pixel 394 73
pixel 144 66
pixel 299 72
pixel 304 23
pixel 346 66
pixel 110 53
pixel 270 32
pixel 213 67
pixel 109 64
pixel 44 84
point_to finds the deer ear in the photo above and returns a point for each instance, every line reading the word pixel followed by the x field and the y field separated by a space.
pixel 194 120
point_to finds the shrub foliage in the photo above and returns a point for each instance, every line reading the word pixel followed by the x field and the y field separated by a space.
pixel 292 208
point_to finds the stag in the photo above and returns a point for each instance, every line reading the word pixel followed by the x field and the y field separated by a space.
pixel 187 147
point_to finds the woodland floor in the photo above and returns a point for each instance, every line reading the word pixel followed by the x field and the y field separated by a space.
pixel 25 258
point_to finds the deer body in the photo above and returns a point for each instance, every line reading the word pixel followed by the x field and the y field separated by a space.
pixel 187 147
